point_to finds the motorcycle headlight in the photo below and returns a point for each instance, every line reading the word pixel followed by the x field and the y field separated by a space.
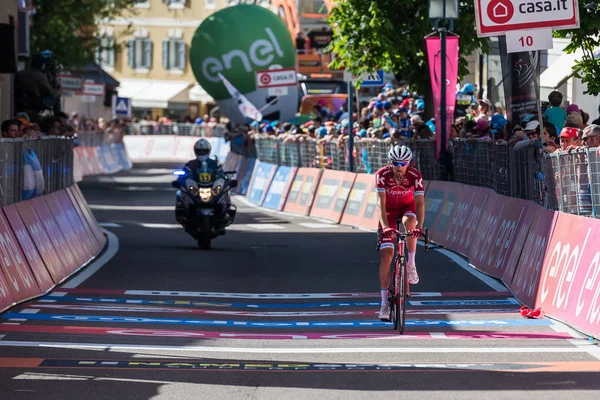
pixel 205 194
pixel 216 190
pixel 193 190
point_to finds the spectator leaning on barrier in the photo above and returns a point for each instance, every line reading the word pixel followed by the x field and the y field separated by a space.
pixel 569 138
pixel 591 136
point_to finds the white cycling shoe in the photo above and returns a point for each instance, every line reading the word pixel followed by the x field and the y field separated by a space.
pixel 384 312
pixel 413 277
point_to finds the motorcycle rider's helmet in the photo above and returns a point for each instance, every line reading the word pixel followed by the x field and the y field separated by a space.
pixel 202 149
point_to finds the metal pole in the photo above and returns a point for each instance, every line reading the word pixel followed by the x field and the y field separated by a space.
pixel 350 127
pixel 443 111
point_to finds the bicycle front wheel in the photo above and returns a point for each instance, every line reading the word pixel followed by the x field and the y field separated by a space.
pixel 400 303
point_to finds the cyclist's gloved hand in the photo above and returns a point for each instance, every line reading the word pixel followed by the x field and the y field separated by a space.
pixel 417 233
pixel 389 232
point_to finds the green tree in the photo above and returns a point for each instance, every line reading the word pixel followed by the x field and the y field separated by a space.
pixel 586 38
pixel 389 34
pixel 69 27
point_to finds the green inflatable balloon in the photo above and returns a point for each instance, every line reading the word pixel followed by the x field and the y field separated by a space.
pixel 236 42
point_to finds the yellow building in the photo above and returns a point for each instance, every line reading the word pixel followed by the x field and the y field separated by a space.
pixel 147 52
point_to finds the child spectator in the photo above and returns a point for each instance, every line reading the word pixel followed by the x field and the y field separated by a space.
pixel 555 114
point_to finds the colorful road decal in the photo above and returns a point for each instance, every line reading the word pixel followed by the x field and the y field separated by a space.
pixel 192 303
pixel 506 302
pixel 236 365
pixel 282 314
pixel 272 324
pixel 267 296
pixel 388 334
pixel 163 310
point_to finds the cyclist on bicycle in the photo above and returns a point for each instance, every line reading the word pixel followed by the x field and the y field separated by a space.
pixel 400 194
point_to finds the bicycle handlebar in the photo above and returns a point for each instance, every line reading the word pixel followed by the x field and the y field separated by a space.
pixel 404 235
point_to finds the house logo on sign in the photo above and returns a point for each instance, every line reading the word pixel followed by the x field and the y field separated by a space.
pixel 500 11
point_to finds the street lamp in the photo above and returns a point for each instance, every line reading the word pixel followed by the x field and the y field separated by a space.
pixel 442 10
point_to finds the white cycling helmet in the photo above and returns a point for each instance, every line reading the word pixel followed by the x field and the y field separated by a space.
pixel 400 153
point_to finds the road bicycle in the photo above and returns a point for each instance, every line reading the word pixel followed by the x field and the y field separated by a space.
pixel 399 289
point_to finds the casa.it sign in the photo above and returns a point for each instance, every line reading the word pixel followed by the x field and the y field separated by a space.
pixel 495 17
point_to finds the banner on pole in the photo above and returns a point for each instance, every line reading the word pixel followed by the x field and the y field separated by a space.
pixel 434 55
pixel 519 82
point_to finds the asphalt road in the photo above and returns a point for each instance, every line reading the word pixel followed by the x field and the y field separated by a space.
pixel 281 307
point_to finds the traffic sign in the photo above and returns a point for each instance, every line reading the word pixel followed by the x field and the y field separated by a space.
pixel 93 89
pixel 530 40
pixel 368 78
pixel 496 17
pixel 121 106
pixel 70 82
pixel 276 78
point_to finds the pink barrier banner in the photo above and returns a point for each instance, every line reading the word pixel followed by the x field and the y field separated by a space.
pixel 96 244
pixel 84 233
pixel 465 218
pixel 6 297
pixel 434 57
pixel 525 278
pixel 91 219
pixel 569 287
pixel 497 233
pixel 69 260
pixel 16 270
pixel 41 239
pixel 74 240
pixel 42 276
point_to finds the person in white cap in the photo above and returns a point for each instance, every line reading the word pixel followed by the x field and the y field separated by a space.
pixel 484 109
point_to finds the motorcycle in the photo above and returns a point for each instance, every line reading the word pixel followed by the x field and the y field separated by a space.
pixel 204 208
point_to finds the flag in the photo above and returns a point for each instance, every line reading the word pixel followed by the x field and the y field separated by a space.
pixel 33 178
pixel 246 108
pixel 434 46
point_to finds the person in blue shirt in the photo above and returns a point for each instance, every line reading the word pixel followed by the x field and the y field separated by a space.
pixel 555 114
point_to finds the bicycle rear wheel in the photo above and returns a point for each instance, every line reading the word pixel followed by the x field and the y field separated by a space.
pixel 400 305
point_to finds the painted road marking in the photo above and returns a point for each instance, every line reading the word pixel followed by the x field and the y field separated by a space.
pixel 272 324
pixel 509 301
pixel 264 227
pixel 85 274
pixel 300 350
pixel 105 207
pixel 388 334
pixel 109 225
pixel 193 311
pixel 165 310
pixel 314 225
pixel 161 226
pixel 234 365
pixel 176 293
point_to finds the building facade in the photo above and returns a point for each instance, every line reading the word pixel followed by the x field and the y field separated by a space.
pixel 9 17
pixel 147 52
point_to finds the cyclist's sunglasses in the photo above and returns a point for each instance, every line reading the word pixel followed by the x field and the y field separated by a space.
pixel 399 163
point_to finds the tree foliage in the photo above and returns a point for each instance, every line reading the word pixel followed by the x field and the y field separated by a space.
pixel 69 27
pixel 389 34
pixel 586 38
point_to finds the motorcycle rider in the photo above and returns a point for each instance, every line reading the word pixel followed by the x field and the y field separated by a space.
pixel 193 168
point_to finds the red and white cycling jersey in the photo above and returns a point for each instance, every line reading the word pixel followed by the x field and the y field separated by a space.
pixel 398 196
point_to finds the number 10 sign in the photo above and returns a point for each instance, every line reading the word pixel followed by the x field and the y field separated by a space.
pixel 528 40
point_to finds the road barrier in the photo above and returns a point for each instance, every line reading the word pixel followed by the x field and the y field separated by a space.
pixel 44 241
pixel 47 239
pixel 546 258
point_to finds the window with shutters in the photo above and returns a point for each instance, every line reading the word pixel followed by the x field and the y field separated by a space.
pixel 105 52
pixel 174 55
pixel 142 4
pixel 140 53
pixel 210 4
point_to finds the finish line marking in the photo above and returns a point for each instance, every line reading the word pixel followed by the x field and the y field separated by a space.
pixel 268 296
pixel 388 335
pixel 273 324
pixel 506 302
